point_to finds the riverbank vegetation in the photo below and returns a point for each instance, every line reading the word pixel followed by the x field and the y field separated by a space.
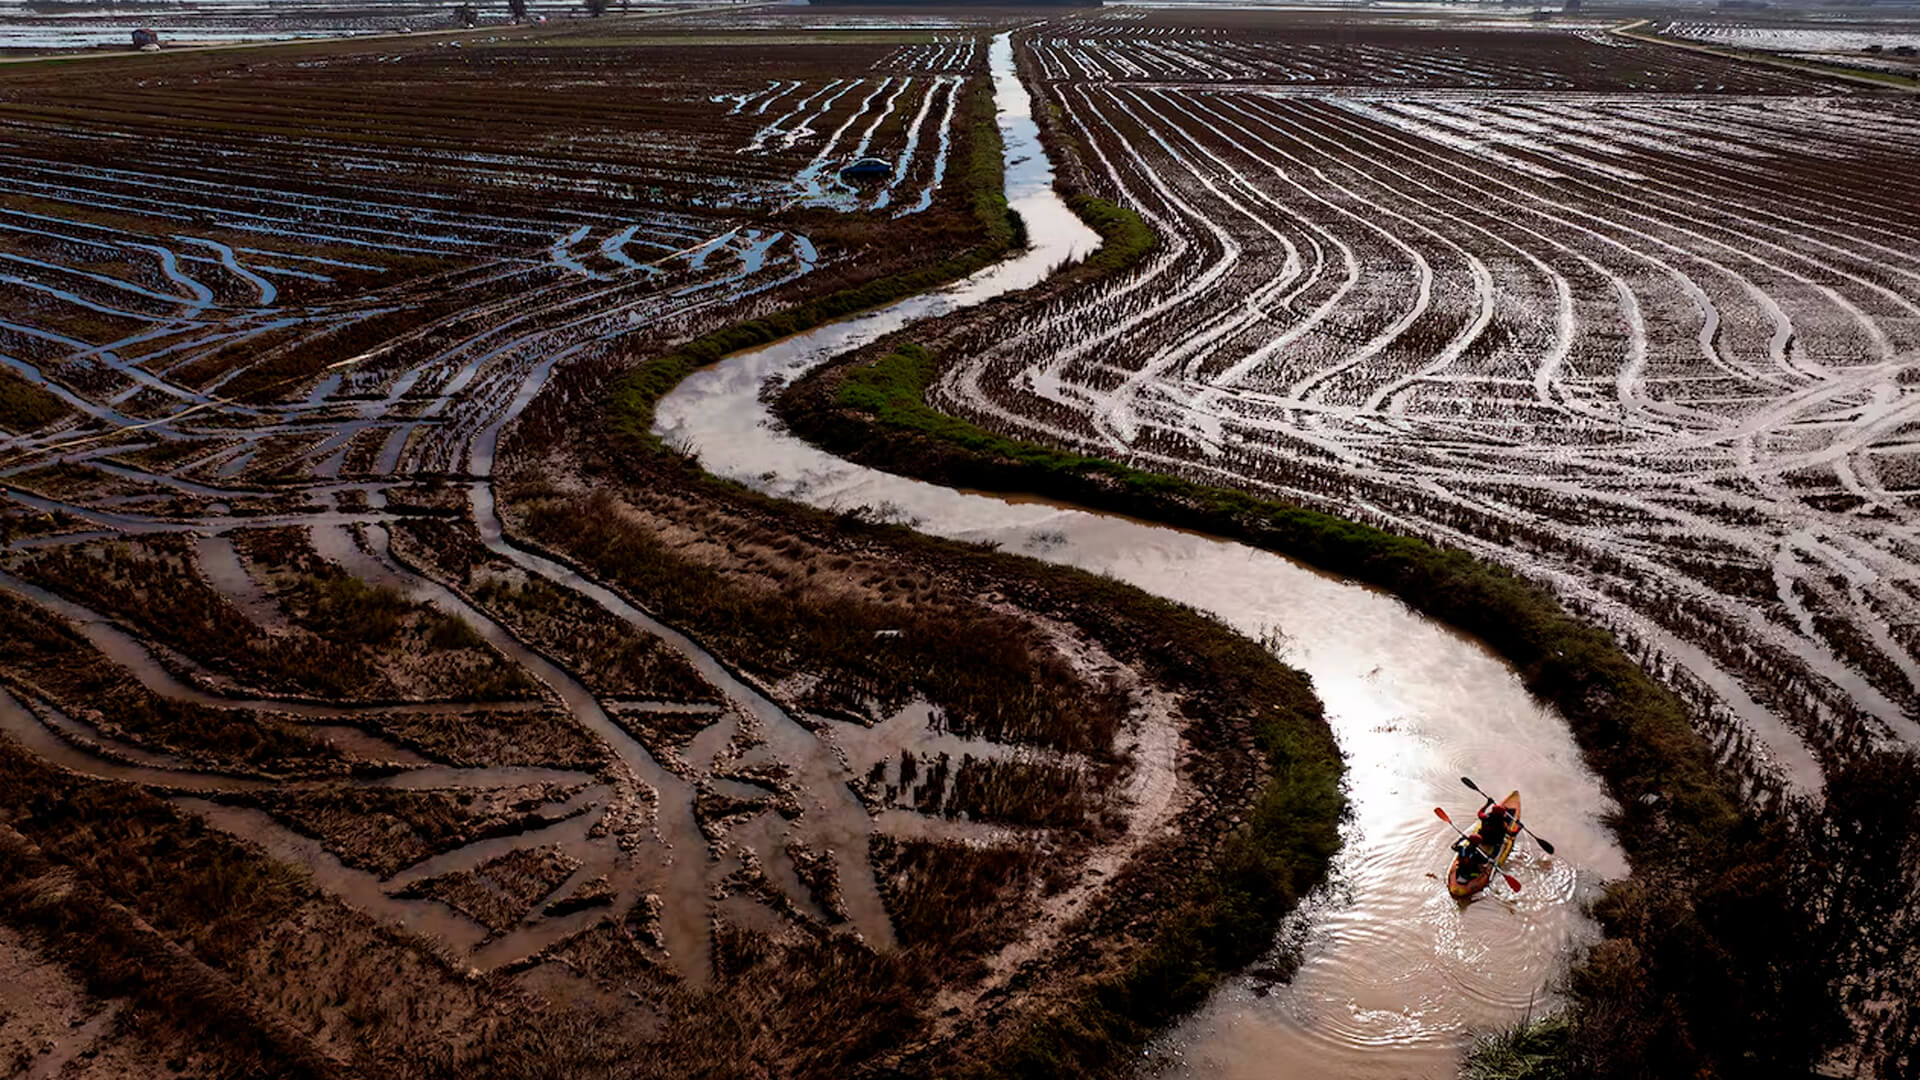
pixel 1124 238
pixel 1788 950
pixel 1222 918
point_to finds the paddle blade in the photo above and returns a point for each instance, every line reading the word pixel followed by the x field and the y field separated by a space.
pixel 1512 882
pixel 1469 783
pixel 1544 846
pixel 1442 815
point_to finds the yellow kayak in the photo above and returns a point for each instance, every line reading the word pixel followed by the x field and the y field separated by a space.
pixel 1467 877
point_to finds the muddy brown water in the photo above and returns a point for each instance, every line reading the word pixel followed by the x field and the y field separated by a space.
pixel 1395 978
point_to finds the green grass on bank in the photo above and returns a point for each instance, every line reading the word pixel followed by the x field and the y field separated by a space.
pixel 1124 238
pixel 1535 1050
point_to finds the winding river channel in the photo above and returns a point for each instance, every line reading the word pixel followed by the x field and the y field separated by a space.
pixel 1395 979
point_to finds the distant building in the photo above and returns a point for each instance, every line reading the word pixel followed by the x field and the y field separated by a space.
pixel 867 168
pixel 146 39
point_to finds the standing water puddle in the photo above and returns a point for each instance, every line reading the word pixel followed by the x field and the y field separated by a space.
pixel 1395 979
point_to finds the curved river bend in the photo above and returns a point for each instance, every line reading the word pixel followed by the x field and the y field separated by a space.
pixel 1395 979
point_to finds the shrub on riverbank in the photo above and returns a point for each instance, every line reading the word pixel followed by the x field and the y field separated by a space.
pixel 1739 968
pixel 1535 1050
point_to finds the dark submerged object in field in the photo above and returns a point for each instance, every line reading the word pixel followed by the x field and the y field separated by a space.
pixel 867 168
pixel 144 37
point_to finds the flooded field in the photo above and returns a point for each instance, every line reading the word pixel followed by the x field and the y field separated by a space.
pixel 428 657
pixel 1635 320
pixel 27 29
pixel 253 388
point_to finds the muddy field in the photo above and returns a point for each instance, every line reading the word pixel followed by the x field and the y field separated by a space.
pixel 1339 52
pixel 323 750
pixel 1638 321
pixel 76 27
pixel 1889 46
pixel 372 702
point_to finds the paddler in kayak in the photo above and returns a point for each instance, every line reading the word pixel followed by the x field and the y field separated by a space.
pixel 1481 855
pixel 1473 858
pixel 1494 819
pixel 1486 837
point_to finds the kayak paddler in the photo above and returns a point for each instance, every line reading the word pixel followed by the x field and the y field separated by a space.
pixel 1472 854
pixel 1493 823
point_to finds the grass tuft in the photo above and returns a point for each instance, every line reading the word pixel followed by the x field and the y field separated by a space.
pixel 1528 1051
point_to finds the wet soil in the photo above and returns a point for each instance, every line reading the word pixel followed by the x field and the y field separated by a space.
pixel 465 793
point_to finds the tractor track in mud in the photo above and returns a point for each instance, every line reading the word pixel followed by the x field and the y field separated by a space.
pixel 279 389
